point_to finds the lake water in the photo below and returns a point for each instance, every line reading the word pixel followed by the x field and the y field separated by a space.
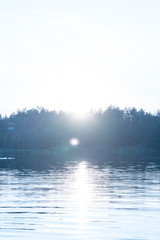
pixel 80 200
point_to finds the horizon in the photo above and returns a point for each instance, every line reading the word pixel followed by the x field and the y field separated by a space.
pixel 79 116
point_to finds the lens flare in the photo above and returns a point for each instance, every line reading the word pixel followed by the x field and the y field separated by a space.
pixel 74 141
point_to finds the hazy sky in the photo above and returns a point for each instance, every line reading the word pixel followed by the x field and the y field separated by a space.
pixel 77 55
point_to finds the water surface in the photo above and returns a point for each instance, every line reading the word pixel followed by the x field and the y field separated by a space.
pixel 80 200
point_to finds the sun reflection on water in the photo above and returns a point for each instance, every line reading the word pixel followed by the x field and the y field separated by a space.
pixel 82 191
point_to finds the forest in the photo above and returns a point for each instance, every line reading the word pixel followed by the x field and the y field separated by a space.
pixel 113 128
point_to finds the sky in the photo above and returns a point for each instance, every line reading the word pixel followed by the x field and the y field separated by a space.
pixel 76 56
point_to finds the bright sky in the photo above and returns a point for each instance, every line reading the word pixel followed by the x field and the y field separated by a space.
pixel 79 55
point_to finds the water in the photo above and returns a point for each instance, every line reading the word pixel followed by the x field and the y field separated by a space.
pixel 80 200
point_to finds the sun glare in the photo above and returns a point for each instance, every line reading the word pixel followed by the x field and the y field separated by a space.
pixel 74 141
pixel 80 116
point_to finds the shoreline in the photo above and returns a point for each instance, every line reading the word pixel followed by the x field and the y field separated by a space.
pixel 70 151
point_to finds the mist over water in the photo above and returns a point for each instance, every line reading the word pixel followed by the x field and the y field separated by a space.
pixel 80 199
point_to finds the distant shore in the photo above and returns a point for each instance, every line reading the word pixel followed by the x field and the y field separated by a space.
pixel 65 152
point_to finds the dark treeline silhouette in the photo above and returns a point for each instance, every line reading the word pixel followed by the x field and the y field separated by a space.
pixel 114 128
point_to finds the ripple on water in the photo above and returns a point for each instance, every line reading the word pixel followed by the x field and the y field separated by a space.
pixel 80 201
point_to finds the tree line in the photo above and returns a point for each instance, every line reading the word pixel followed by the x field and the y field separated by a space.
pixel 113 128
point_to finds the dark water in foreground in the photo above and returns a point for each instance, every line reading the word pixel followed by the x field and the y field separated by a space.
pixel 80 200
